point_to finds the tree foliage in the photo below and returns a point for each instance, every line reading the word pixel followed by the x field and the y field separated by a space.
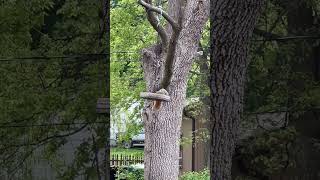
pixel 44 101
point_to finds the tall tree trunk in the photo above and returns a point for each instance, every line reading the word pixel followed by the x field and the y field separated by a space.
pixel 232 23
pixel 162 126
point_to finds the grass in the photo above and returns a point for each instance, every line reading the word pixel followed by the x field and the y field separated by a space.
pixel 124 151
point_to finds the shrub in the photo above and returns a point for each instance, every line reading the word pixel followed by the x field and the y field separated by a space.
pixel 270 153
pixel 130 173
pixel 202 175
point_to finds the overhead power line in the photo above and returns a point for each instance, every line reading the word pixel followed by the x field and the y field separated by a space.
pixel 288 38
pixel 77 57
pixel 93 57
pixel 48 124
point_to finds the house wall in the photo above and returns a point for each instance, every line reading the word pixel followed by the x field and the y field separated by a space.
pixel 186 149
pixel 201 148
pixel 42 169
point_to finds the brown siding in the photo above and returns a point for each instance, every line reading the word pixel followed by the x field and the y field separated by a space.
pixel 201 148
pixel 186 149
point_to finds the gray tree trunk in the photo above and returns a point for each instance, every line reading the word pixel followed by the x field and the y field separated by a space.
pixel 232 23
pixel 162 127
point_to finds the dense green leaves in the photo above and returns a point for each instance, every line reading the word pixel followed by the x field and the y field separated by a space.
pixel 45 101
pixel 64 91
pixel 202 175
pixel 270 153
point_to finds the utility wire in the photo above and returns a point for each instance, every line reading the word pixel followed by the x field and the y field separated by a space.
pixel 54 59
pixel 102 122
pixel 78 57
pixel 288 38
pixel 47 124
pixel 82 56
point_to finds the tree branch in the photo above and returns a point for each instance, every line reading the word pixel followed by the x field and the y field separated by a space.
pixel 168 70
pixel 44 140
pixel 37 145
pixel 265 34
pixel 96 156
pixel 156 26
pixel 169 48
pixel 149 7
pixel 273 26
pixel 16 121
pixel 22 161
pixel 160 30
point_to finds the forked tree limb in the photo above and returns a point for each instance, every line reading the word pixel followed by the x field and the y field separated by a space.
pixel 169 48
pixel 156 26
pixel 168 70
pixel 160 30
pixel 150 7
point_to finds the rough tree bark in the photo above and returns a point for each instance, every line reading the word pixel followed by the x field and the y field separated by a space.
pixel 232 23
pixel 166 65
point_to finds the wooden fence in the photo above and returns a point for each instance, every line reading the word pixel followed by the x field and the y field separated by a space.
pixel 125 160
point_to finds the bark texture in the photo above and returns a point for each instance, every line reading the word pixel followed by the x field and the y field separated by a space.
pixel 162 126
pixel 232 24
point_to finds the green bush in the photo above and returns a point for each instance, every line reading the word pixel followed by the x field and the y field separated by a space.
pixel 269 153
pixel 130 173
pixel 202 175
pixel 137 174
